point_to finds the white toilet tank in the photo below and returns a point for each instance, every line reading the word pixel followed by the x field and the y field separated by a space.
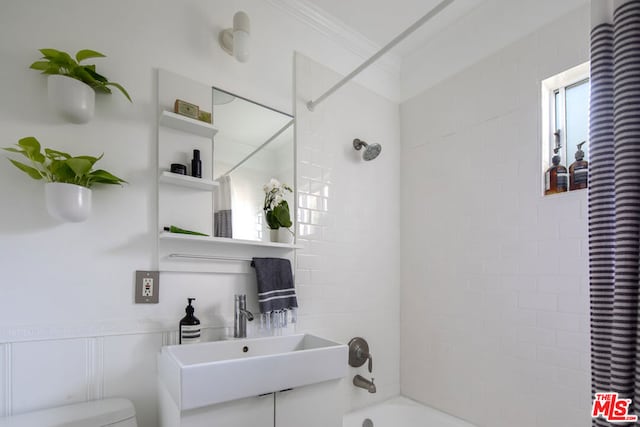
pixel 97 413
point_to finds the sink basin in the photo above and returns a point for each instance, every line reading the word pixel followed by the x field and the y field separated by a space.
pixel 197 375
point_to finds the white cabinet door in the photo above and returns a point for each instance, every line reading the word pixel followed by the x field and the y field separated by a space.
pixel 317 405
pixel 250 412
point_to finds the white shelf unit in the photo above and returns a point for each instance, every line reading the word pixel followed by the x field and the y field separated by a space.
pixel 188 181
pixel 189 253
pixel 226 241
pixel 187 124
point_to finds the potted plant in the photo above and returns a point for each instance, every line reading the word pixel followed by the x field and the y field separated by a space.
pixel 68 179
pixel 277 211
pixel 71 85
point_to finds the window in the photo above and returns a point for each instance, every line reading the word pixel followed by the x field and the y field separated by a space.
pixel 565 122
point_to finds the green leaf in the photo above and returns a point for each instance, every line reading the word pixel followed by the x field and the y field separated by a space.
pixel 124 92
pixel 54 69
pixel 104 177
pixel 14 150
pixel 40 65
pixel 82 74
pixel 91 159
pixel 61 172
pixel 79 166
pixel 55 154
pixel 281 212
pixel 64 56
pixel 30 144
pixel 50 53
pixel 87 53
pixel 102 88
pixel 32 172
pixel 32 148
pixel 91 69
pixel 272 221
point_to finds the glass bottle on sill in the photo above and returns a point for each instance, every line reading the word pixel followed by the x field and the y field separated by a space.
pixel 556 178
pixel 578 171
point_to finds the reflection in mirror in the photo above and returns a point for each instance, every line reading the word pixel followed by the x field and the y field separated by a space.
pixel 254 144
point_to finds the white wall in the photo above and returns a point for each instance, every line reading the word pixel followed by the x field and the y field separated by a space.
pixel 67 289
pixel 494 276
pixel 348 273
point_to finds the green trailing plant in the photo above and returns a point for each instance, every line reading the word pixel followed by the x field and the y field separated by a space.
pixel 59 62
pixel 275 207
pixel 57 166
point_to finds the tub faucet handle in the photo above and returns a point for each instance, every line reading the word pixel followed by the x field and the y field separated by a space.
pixel 359 353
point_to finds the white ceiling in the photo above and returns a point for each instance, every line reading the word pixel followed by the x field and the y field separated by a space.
pixel 467 31
pixel 381 21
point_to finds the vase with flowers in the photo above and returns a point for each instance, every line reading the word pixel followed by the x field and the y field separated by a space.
pixel 277 212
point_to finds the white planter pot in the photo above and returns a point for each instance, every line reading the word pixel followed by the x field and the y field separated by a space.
pixel 68 202
pixel 71 99
pixel 281 235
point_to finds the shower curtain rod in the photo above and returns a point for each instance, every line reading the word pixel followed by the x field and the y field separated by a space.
pixel 420 22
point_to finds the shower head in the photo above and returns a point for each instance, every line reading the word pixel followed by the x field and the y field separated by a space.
pixel 371 151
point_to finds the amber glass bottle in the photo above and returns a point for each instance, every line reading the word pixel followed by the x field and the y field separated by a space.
pixel 578 171
pixel 556 179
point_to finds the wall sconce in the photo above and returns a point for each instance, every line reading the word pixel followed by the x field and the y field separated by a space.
pixel 235 41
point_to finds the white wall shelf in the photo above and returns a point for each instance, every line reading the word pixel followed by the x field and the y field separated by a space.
pixel 226 241
pixel 188 181
pixel 187 124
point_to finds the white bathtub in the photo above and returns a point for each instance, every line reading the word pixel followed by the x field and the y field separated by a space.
pixel 401 412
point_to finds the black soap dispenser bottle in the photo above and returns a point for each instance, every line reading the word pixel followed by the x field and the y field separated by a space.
pixel 189 326
pixel 578 171
pixel 196 165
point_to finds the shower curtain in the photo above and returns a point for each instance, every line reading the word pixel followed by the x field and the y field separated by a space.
pixel 614 201
pixel 222 224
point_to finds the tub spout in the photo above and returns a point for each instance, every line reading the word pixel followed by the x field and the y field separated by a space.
pixel 362 382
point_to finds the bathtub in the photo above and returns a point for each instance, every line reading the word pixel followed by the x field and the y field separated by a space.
pixel 401 412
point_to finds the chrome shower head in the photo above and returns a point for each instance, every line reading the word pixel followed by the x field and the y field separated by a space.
pixel 371 151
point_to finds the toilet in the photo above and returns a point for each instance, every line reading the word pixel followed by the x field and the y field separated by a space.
pixel 98 413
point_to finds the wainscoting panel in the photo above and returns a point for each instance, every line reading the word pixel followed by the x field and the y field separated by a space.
pixel 5 379
pixel 49 373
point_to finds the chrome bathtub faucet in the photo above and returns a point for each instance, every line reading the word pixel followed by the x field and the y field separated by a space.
pixel 362 382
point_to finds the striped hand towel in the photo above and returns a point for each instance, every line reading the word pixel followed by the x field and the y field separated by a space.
pixel 275 284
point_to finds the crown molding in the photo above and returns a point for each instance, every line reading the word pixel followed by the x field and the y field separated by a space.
pixel 339 32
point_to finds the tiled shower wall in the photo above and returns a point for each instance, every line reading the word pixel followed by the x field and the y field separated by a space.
pixel 348 272
pixel 495 292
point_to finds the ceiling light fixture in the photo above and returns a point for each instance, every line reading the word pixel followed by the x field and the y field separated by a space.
pixel 235 41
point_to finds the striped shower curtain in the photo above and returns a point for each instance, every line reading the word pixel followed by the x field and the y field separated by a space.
pixel 614 201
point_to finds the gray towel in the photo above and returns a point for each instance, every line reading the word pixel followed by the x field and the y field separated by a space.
pixel 275 284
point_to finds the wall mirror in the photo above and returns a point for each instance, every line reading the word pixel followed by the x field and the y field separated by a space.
pixel 254 144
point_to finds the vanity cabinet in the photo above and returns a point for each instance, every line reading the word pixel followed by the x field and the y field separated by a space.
pixel 249 412
pixel 316 405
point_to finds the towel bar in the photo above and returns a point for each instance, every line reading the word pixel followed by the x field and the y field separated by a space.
pixel 210 257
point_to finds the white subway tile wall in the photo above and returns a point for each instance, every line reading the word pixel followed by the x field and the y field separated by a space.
pixel 495 277
pixel 348 271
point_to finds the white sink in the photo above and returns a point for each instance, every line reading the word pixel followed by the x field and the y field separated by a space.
pixel 197 375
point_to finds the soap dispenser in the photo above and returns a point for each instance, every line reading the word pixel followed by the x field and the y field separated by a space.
pixel 189 326
pixel 578 171
pixel 556 179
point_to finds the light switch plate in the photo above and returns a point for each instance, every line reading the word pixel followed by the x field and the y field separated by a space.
pixel 147 287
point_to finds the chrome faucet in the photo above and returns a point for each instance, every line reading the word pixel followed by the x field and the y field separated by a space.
pixel 240 317
pixel 362 382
